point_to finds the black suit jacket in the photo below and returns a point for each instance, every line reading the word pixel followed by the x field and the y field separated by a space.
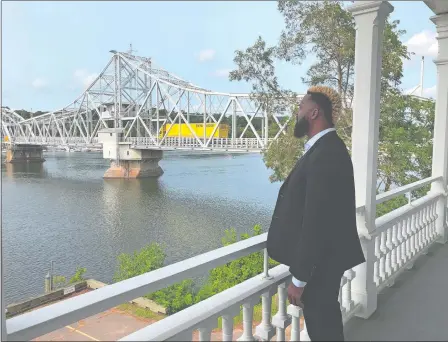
pixel 314 220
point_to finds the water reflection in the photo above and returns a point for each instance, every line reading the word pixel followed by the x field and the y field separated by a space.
pixel 14 170
pixel 120 194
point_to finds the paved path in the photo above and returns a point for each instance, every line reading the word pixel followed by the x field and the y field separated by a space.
pixel 414 309
pixel 110 325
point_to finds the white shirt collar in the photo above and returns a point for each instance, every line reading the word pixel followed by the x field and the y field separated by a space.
pixel 315 138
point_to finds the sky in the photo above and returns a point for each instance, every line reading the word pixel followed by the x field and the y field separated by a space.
pixel 52 50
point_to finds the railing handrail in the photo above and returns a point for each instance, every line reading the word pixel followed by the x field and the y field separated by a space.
pixel 389 219
pixel 210 308
pixel 47 319
pixel 386 196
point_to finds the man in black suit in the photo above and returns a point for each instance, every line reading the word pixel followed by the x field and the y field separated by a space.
pixel 313 228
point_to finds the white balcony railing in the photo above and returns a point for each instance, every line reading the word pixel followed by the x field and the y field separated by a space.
pixel 399 238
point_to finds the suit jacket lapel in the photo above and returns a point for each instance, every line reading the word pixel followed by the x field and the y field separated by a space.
pixel 295 167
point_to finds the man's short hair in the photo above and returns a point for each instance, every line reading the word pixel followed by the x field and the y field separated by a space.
pixel 328 100
pixel 324 104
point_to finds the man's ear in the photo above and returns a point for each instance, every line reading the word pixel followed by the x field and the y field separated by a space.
pixel 314 114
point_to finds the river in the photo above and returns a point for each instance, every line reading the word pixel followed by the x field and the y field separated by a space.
pixel 63 210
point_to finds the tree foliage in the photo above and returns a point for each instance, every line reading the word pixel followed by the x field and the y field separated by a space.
pixel 147 259
pixel 151 257
pixel 58 282
pixel 61 281
pixel 78 276
pixel 326 30
pixel 235 271
pixel 405 140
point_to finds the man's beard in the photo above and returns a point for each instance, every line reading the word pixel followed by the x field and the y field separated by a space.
pixel 301 128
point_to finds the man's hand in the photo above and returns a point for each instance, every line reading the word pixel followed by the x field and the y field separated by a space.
pixel 295 295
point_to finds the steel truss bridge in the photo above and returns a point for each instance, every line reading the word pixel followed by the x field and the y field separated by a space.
pixel 134 94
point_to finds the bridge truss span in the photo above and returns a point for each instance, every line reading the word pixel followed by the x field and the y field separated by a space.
pixel 145 101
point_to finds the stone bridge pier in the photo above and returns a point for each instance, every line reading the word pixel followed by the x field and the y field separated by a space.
pixel 127 162
pixel 24 153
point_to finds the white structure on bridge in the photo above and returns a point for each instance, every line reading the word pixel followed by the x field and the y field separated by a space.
pixel 392 243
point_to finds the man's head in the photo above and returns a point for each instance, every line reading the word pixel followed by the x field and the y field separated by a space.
pixel 316 111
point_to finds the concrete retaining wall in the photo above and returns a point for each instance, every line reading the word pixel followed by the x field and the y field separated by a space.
pixel 141 302
pixel 18 308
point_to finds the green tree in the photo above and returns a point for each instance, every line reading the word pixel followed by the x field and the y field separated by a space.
pixel 405 146
pixel 78 276
pixel 59 281
pixel 236 271
pixel 151 257
pixel 147 259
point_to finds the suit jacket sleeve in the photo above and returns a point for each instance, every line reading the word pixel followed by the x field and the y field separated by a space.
pixel 312 244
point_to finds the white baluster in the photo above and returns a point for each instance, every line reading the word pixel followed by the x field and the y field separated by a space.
pixel 265 330
pixel 227 328
pixel 425 232
pixel 434 218
pixel 248 315
pixel 389 248
pixel 376 269
pixel 409 247
pixel 415 227
pixel 205 329
pixel 399 244
pixel 205 334
pixel 431 221
pixel 340 298
pixel 304 333
pixel 349 303
pixel 227 322
pixel 405 241
pixel 429 224
pixel 422 239
pixel 419 241
pixel 383 257
pixel 394 264
pixel 415 223
pixel 281 320
pixel 296 315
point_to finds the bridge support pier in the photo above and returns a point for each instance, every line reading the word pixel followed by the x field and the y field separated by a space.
pixel 127 162
pixel 23 153
pixel 147 166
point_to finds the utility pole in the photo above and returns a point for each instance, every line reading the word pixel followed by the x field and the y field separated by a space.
pixel 422 71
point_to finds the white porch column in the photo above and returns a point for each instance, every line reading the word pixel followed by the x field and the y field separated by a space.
pixel 440 149
pixel 370 19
